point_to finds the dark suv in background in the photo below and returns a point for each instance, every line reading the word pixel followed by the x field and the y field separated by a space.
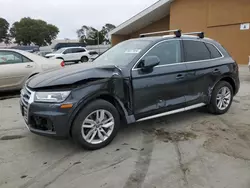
pixel 136 80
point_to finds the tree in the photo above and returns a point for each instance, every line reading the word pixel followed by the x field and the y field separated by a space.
pixel 4 27
pixel 91 36
pixel 105 31
pixel 31 31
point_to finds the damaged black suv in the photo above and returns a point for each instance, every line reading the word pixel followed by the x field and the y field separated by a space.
pixel 136 80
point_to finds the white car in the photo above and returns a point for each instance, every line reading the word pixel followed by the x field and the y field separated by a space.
pixel 71 54
pixel 17 66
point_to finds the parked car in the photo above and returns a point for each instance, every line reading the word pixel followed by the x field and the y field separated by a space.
pixel 72 54
pixel 60 45
pixel 93 54
pixel 31 49
pixel 43 53
pixel 134 81
pixel 17 66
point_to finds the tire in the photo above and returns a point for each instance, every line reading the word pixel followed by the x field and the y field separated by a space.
pixel 84 59
pixel 91 141
pixel 214 106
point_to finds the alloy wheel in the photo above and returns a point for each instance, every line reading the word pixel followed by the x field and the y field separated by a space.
pixel 223 98
pixel 98 126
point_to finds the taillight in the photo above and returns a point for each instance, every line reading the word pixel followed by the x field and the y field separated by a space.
pixel 62 64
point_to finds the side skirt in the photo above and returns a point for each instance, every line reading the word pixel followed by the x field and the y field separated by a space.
pixel 172 112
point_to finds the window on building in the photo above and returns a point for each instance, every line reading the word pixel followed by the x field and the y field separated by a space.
pixel 168 52
pixel 213 51
pixel 195 51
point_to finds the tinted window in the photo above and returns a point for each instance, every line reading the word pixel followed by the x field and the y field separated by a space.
pixel 80 50
pixel 168 52
pixel 195 50
pixel 68 51
pixel 213 51
pixel 12 57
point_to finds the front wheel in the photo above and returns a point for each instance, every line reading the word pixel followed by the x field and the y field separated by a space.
pixel 96 125
pixel 84 59
pixel 222 98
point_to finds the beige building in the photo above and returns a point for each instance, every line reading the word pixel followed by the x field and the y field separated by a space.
pixel 226 21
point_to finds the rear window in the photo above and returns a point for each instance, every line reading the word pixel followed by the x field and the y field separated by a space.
pixel 195 51
pixel 213 51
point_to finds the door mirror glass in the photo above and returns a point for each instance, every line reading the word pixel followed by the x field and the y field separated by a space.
pixel 149 62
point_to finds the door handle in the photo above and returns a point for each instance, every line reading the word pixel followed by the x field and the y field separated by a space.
pixel 28 66
pixel 216 70
pixel 179 76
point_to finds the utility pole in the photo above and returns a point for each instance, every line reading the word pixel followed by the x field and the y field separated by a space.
pixel 98 42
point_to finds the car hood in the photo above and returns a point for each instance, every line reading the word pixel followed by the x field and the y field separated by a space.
pixel 51 54
pixel 72 75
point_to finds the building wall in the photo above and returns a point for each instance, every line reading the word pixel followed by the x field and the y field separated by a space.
pixel 160 25
pixel 219 19
pixel 115 39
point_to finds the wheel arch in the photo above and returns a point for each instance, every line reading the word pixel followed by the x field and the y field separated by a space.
pixel 230 80
pixel 33 75
pixel 225 78
pixel 107 97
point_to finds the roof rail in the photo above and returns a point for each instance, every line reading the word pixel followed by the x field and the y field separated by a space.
pixel 177 33
pixel 199 34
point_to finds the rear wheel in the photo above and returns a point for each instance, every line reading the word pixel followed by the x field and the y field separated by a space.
pixel 84 59
pixel 222 98
pixel 96 125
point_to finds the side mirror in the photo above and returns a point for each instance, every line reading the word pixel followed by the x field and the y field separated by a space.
pixel 150 62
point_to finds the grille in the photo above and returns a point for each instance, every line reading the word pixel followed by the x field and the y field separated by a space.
pixel 25 97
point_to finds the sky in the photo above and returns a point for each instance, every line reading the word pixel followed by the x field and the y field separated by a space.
pixel 70 15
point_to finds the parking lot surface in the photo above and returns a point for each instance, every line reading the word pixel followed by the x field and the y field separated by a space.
pixel 192 149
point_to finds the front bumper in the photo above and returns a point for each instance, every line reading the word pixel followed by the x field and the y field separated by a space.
pixel 45 118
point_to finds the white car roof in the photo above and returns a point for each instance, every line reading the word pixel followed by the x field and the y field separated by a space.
pixel 72 47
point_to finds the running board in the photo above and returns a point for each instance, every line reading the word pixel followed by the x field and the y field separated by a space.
pixel 172 112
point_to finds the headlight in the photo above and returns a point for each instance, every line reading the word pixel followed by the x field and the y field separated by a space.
pixel 51 96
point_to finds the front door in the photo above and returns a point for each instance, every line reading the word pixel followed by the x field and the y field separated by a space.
pixel 164 88
pixel 68 55
pixel 14 69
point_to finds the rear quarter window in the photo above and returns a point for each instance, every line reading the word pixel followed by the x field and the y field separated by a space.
pixel 213 51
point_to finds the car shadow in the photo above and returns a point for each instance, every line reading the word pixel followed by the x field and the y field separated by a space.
pixel 9 94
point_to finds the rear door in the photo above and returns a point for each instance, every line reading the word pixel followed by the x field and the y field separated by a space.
pixel 79 53
pixel 14 69
pixel 164 88
pixel 203 69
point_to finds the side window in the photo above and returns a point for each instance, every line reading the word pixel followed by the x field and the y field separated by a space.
pixel 195 51
pixel 213 51
pixel 11 57
pixel 74 50
pixel 81 50
pixel 68 51
pixel 168 52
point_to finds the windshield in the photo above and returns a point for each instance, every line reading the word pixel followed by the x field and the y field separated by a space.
pixel 59 51
pixel 123 53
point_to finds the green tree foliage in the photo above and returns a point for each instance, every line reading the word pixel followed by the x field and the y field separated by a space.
pixel 31 31
pixel 90 35
pixel 4 27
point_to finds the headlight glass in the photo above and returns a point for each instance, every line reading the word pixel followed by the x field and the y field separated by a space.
pixel 51 96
